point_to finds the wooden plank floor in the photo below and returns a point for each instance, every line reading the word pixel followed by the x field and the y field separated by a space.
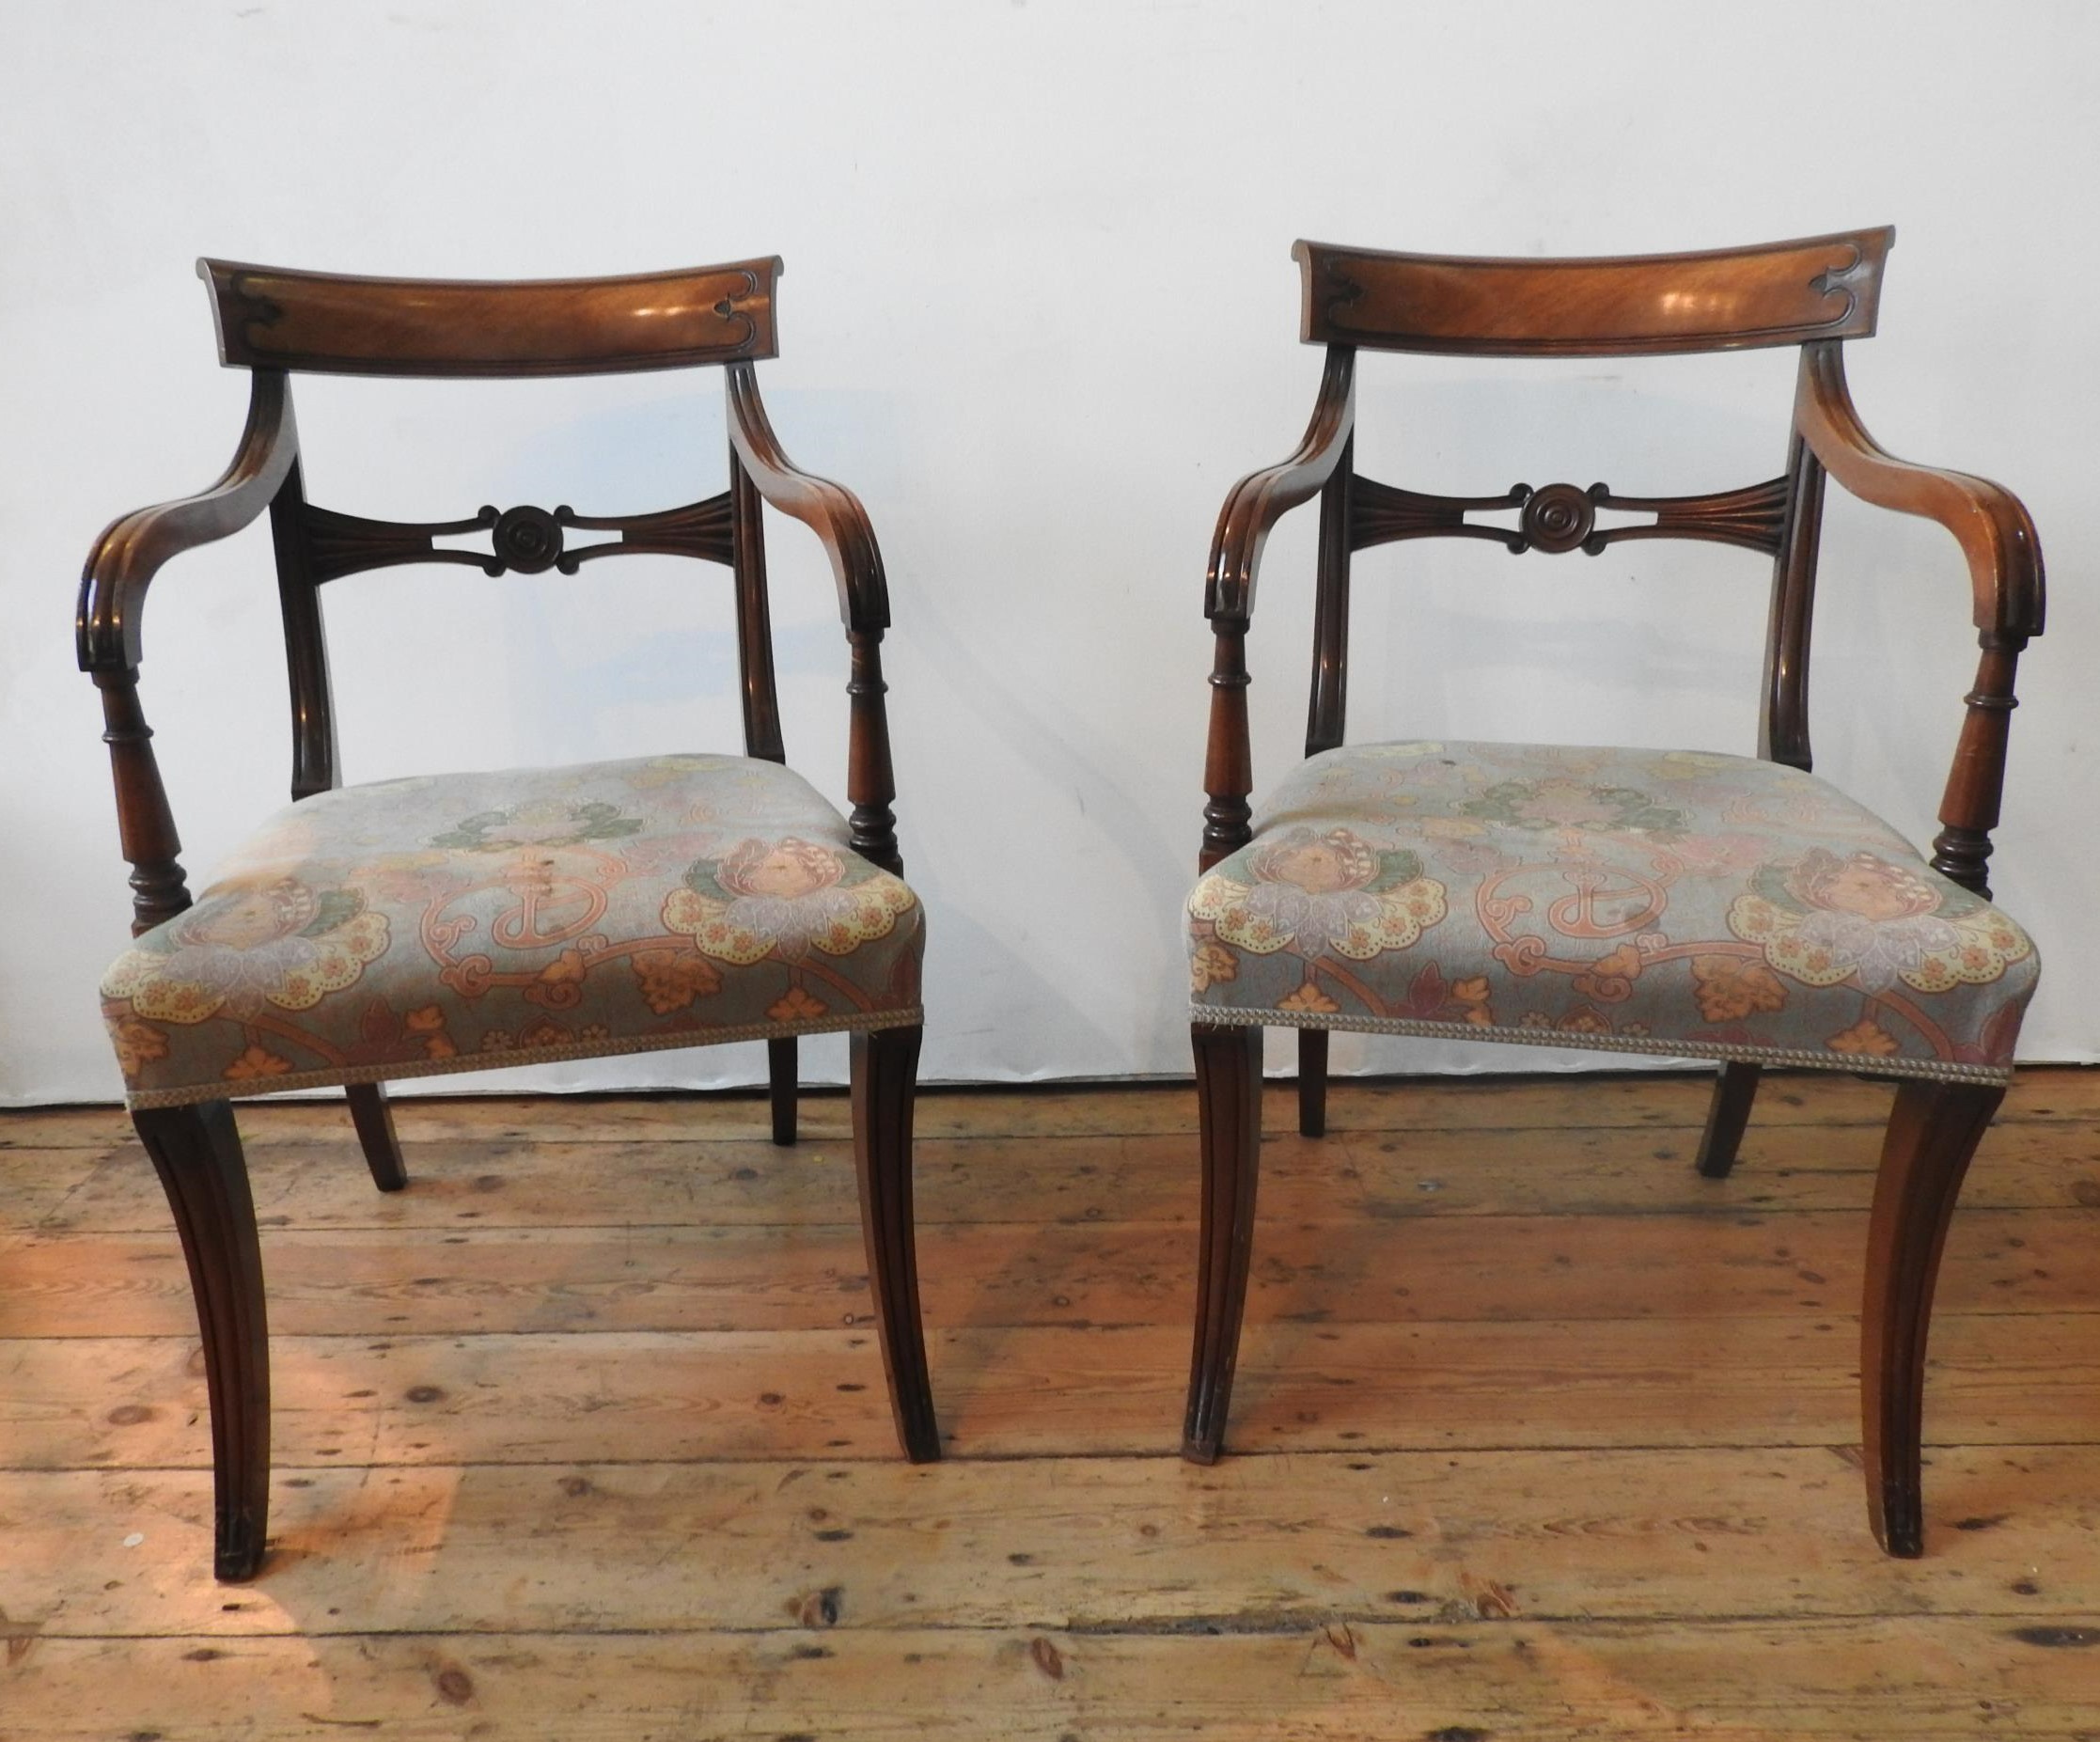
pixel 584 1436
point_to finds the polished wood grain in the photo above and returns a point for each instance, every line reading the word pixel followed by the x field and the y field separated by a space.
pixel 1776 293
pixel 523 539
pixel 1933 1135
pixel 1728 1118
pixel 337 324
pixel 885 1073
pixel 196 1152
pixel 1996 536
pixel 1588 1513
pixel 1258 501
pixel 374 1121
pixel 1989 523
pixel 314 751
pixel 132 549
pixel 271 320
pixel 830 511
pixel 760 688
pixel 1783 723
pixel 1813 293
pixel 1228 1100
pixel 1327 711
pixel 145 820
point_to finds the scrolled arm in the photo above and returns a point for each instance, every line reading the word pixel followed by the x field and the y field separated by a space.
pixel 834 513
pixel 830 511
pixel 131 550
pixel 2005 577
pixel 1252 508
pixel 1259 500
pixel 113 597
pixel 1987 520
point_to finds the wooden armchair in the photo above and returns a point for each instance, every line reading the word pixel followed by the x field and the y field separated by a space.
pixel 468 921
pixel 1642 902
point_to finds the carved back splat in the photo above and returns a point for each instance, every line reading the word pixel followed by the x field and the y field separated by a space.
pixel 524 541
pixel 337 324
pixel 1561 517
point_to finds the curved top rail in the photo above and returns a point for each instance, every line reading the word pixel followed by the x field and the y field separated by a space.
pixel 1726 299
pixel 333 323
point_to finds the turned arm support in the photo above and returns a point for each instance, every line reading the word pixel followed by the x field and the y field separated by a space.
pixel 1996 536
pixel 119 570
pixel 835 515
pixel 1251 510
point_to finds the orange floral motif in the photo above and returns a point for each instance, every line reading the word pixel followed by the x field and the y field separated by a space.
pixel 1610 977
pixel 1473 996
pixel 1729 988
pixel 672 979
pixel 1583 1019
pixel 256 1062
pixel 138 1043
pixel 428 1025
pixel 1309 999
pixel 1211 963
pixel 1866 1037
pixel 542 1033
pixel 798 1006
pixel 560 985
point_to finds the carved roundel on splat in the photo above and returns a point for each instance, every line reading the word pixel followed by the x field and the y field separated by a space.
pixel 1559 517
pixel 528 540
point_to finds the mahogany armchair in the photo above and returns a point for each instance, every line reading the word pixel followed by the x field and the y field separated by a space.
pixel 472 920
pixel 1668 902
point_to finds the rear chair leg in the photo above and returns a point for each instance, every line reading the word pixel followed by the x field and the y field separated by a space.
pixel 197 1151
pixel 1312 1082
pixel 885 1071
pixel 1727 1116
pixel 1228 1104
pixel 1932 1135
pixel 782 1072
pixel 374 1120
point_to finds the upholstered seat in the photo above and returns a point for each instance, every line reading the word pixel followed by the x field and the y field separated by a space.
pixel 1636 901
pixel 464 921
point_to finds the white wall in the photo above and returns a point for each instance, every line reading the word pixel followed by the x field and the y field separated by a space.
pixel 1039 311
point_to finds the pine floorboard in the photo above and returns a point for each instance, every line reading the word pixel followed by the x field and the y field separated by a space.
pixel 1536 1434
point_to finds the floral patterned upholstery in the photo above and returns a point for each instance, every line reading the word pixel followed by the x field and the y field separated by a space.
pixel 1636 900
pixel 463 921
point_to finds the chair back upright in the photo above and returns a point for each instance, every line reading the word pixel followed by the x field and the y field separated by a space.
pixel 1813 293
